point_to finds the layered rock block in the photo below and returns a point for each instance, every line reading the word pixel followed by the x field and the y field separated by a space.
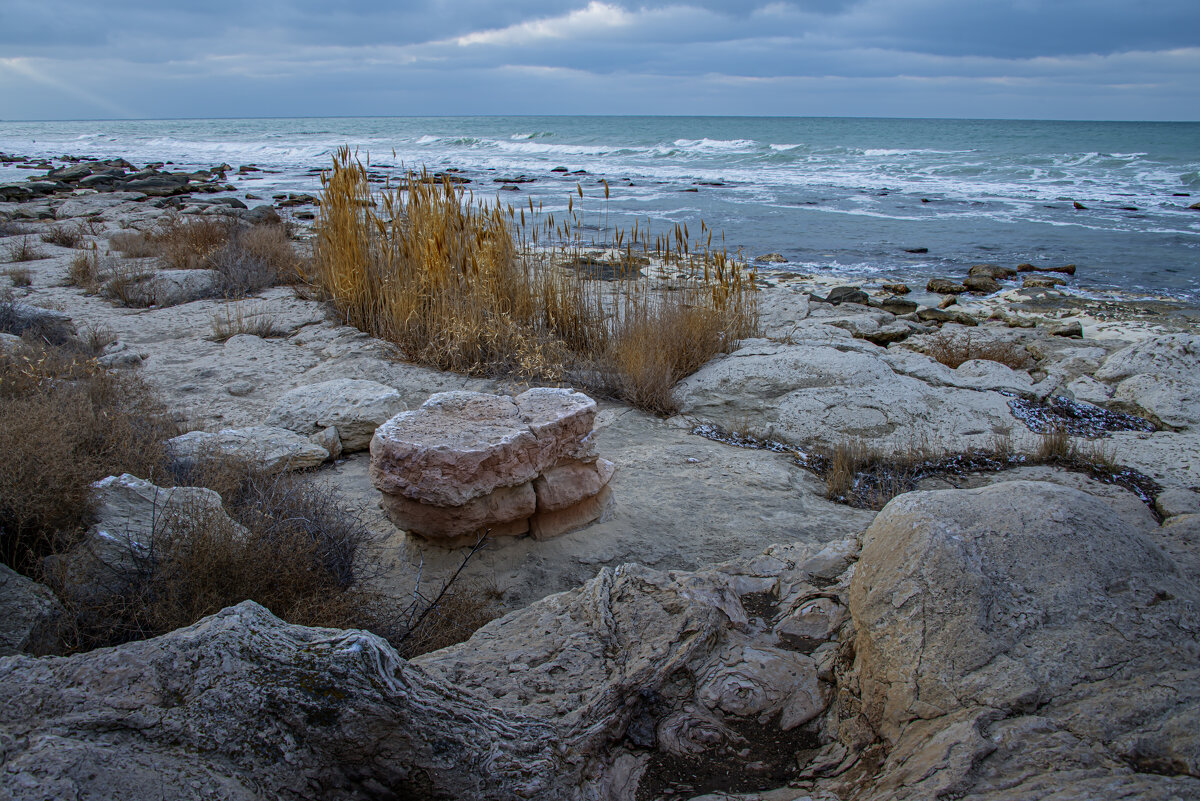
pixel 466 463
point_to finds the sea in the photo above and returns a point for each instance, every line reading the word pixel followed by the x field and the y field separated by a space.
pixel 863 199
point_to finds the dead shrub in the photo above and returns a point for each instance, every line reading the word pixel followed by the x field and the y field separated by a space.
pixel 953 351
pixel 133 244
pixel 64 236
pixel 123 282
pixel 1055 446
pixel 83 270
pixel 272 245
pixel 240 272
pixel 187 244
pixel 289 543
pixel 65 423
pixel 20 276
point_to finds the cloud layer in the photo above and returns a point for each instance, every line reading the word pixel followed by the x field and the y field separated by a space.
pixel 1090 59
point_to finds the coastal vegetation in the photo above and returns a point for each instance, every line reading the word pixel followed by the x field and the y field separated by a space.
pixel 490 289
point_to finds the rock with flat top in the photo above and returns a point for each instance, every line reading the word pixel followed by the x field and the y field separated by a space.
pixel 355 408
pixel 466 463
pixel 1159 378
pixel 269 447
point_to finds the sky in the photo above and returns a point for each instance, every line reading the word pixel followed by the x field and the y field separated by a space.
pixel 1025 59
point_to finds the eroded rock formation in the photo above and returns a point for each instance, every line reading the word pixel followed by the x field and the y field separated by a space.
pixel 469 462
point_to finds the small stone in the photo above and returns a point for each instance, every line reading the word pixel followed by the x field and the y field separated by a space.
pixel 947 302
pixel 239 389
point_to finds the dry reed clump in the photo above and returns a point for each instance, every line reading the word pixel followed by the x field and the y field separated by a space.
pixel 24 251
pixel 952 351
pixel 84 270
pixel 65 423
pixel 478 289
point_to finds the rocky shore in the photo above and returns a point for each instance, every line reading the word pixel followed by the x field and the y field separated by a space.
pixel 724 629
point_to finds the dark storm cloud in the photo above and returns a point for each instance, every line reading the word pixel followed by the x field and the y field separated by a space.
pixel 227 57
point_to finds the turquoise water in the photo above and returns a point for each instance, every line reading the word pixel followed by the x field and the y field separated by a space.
pixel 844 196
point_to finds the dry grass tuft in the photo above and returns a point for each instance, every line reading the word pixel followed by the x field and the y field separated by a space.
pixel 24 251
pixel 65 423
pixel 482 289
pixel 64 236
pixel 240 318
pixel 20 276
pixel 84 270
pixel 953 351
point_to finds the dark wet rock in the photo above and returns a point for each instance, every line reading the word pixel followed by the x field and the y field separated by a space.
pixel 771 258
pixel 981 284
pixel 847 294
pixel 898 305
pixel 1043 282
pixel 261 215
pixel 1078 205
pixel 896 289
pixel 994 271
pixel 916 250
pixel 945 286
pixel 1066 269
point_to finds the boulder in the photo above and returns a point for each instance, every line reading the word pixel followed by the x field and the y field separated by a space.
pixel 1177 501
pixel 993 271
pixel 131 515
pixel 468 463
pixel 847 294
pixel 896 289
pixel 981 284
pixel 30 616
pixel 1159 378
pixel 771 258
pixel 51 326
pixel 267 446
pixel 463 445
pixel 1068 328
pixel 897 305
pixel 945 286
pixel 1066 269
pixel 169 287
pixel 1026 631
pixel 355 408
pixel 261 215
